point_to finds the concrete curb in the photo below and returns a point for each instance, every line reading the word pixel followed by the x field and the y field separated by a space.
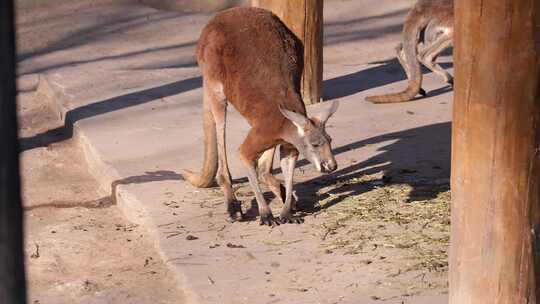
pixel 106 175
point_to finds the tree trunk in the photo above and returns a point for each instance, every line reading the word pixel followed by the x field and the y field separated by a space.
pixel 12 279
pixel 494 254
pixel 305 19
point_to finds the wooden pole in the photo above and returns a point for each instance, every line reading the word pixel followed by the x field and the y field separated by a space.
pixel 495 234
pixel 305 19
pixel 12 279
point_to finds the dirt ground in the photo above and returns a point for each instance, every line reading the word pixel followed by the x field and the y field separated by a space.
pixel 79 248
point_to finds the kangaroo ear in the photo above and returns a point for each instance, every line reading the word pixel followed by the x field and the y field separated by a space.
pixel 326 112
pixel 297 119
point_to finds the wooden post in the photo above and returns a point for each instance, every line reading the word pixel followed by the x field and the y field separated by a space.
pixel 12 279
pixel 495 234
pixel 305 19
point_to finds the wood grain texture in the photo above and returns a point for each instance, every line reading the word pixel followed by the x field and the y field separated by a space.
pixel 495 153
pixel 305 19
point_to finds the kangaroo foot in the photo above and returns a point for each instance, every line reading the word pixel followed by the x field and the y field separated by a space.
pixel 290 219
pixel 235 212
pixel 269 219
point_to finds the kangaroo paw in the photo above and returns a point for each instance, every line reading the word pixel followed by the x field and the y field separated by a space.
pixel 289 219
pixel 235 212
pixel 422 92
pixel 269 220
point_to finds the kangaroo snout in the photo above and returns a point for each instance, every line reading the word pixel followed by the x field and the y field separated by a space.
pixel 329 166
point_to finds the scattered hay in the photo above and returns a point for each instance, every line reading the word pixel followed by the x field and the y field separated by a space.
pixel 408 221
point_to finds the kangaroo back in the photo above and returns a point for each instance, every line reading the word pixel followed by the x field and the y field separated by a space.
pixel 256 58
pixel 248 58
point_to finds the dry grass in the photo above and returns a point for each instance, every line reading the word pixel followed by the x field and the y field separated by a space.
pixel 406 224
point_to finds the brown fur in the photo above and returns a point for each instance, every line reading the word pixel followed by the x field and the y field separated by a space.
pixel 250 59
pixel 434 18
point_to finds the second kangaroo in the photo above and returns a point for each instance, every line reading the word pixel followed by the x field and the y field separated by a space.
pixel 430 21
pixel 250 59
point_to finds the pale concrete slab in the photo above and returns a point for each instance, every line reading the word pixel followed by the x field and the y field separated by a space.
pixel 129 90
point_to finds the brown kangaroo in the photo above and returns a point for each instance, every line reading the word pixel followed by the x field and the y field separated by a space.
pixel 435 19
pixel 249 58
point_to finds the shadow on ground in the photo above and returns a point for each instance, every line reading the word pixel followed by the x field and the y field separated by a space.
pixel 147 177
pixel 181 62
pixel 340 31
pixel 109 105
pixel 97 31
pixel 419 157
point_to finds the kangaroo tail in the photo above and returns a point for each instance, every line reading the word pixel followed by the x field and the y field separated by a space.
pixel 415 23
pixel 206 178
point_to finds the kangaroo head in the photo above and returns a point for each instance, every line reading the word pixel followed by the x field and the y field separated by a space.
pixel 311 138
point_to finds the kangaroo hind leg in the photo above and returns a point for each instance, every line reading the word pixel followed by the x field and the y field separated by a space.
pixel 429 55
pixel 401 58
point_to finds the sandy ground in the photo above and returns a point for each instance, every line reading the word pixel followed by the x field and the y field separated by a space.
pixel 79 248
